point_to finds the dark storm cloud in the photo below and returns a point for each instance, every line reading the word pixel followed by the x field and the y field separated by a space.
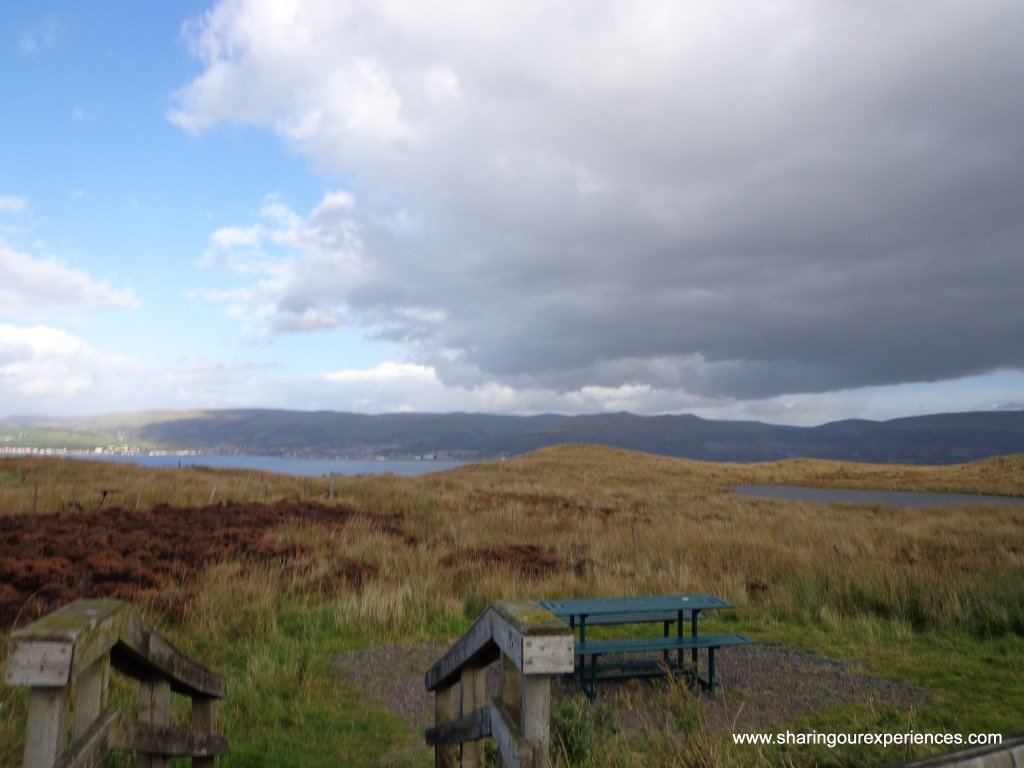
pixel 727 200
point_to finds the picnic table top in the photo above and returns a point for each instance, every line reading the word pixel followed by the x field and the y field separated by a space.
pixel 597 606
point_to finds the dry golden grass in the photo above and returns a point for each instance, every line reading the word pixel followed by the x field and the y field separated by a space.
pixel 632 523
pixel 571 520
pixel 32 484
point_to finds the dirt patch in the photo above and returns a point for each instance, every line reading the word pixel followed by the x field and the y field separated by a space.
pixel 526 559
pixel 48 560
pixel 760 687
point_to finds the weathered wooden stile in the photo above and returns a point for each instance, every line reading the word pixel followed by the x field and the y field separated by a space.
pixel 65 660
pixel 533 646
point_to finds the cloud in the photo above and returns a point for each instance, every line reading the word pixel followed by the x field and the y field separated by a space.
pixel 304 268
pixel 45 366
pixel 392 387
pixel 43 35
pixel 717 200
pixel 45 369
pixel 12 204
pixel 34 285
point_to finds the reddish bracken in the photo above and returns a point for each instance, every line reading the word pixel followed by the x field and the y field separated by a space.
pixel 49 560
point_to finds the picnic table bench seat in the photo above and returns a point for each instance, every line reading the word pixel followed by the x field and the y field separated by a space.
pixel 650 644
pixel 647 617
pixel 594 649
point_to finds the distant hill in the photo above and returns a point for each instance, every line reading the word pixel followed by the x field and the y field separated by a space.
pixel 937 439
pixel 947 438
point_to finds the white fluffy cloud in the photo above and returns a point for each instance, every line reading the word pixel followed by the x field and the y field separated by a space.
pixel 47 370
pixel 301 270
pixel 34 285
pixel 728 200
pixel 42 367
pixel 406 387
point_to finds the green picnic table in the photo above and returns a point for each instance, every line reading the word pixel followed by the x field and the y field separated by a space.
pixel 681 610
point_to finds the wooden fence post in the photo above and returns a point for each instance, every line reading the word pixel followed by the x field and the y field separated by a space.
pixel 536 716
pixel 45 732
pixel 474 696
pixel 154 709
pixel 444 710
pixel 65 660
pixel 202 723
pixel 90 695
pixel 532 645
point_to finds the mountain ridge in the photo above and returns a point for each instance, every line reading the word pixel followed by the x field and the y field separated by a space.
pixel 944 438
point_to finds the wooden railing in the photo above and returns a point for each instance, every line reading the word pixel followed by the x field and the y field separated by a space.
pixel 532 646
pixel 65 659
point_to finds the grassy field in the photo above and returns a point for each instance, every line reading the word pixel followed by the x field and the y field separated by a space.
pixel 930 598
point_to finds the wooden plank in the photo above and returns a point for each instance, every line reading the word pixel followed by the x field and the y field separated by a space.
pixel 476 725
pixel 514 751
pixel 71 621
pixel 45 733
pixel 155 711
pixel 90 626
pixel 651 644
pixel 202 725
pixel 91 749
pixel 141 649
pixel 613 619
pixel 551 655
pixel 150 740
pixel 536 717
pixel 473 645
pixel 39 663
pixel 90 696
pixel 509 639
pixel 529 617
pixel 444 712
pixel 536 641
pixel 643 604
pixel 473 699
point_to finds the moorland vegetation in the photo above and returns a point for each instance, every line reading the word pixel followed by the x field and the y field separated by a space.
pixel 270 579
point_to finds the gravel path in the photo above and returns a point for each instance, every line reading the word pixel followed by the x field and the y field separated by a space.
pixel 760 687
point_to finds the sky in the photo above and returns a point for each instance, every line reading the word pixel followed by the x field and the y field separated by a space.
pixel 794 211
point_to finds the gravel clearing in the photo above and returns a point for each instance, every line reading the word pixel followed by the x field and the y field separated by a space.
pixel 760 687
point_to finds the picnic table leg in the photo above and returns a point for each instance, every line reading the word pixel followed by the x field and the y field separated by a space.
pixel 679 634
pixel 575 662
pixel 666 655
pixel 583 658
pixel 593 677
pixel 693 634
pixel 711 670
